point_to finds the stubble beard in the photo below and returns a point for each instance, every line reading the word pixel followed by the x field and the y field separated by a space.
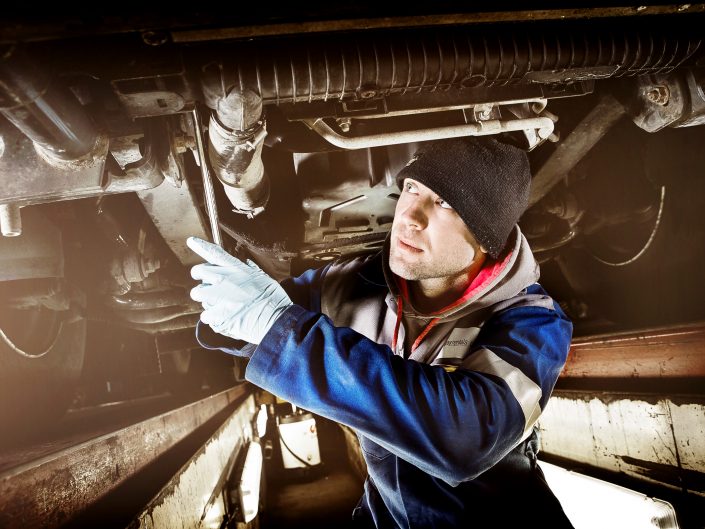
pixel 408 271
pixel 418 270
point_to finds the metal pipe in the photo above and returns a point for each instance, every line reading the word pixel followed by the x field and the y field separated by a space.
pixel 235 138
pixel 149 300
pixel 160 315
pixel 44 110
pixel 182 322
pixel 482 128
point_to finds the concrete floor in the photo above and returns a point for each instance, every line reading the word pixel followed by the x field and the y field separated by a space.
pixel 321 497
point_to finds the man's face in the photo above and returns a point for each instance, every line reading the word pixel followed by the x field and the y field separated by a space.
pixel 429 239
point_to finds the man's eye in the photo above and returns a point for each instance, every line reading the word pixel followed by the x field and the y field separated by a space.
pixel 410 187
pixel 444 204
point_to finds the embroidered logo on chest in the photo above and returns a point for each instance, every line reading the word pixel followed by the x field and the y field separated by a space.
pixel 457 344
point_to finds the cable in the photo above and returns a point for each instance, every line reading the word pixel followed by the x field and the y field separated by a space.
pixel 648 243
pixel 8 341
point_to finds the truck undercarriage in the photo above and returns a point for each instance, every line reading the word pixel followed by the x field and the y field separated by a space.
pixel 280 138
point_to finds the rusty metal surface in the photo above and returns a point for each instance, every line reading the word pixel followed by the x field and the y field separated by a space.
pixel 50 491
pixel 217 24
pixel 176 215
pixel 196 495
pixel 29 178
pixel 318 26
pixel 665 353
pixel 655 438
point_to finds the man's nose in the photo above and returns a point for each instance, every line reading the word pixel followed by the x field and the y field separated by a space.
pixel 415 215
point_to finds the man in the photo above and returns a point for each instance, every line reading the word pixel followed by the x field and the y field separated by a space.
pixel 440 352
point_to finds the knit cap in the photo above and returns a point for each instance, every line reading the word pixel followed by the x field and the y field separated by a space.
pixel 485 181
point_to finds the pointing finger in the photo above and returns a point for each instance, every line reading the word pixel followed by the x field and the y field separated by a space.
pixel 208 273
pixel 203 294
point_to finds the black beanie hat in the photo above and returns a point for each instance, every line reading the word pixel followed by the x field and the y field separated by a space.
pixel 486 182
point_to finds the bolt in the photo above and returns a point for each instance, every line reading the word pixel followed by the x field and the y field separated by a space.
pixel 10 220
pixel 155 38
pixel 182 143
pixel 150 264
pixel 659 95
pixel 483 112
pixel 344 124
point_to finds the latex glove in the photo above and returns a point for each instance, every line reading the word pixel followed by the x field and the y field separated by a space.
pixel 240 300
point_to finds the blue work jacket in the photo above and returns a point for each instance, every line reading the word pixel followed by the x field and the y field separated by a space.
pixel 446 429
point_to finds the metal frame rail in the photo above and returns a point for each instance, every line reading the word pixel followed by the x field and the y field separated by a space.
pixel 171 470
pixel 633 404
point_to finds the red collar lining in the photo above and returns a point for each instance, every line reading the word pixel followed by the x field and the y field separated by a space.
pixel 485 276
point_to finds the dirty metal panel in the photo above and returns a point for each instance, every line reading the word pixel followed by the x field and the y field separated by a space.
pixel 342 189
pixel 689 428
pixel 54 489
pixel 28 179
pixel 177 216
pixel 675 352
pixel 35 253
pixel 566 430
pixel 652 438
pixel 193 497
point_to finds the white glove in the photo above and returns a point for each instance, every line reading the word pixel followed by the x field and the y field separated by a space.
pixel 240 300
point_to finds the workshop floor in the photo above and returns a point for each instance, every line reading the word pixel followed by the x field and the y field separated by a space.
pixel 322 497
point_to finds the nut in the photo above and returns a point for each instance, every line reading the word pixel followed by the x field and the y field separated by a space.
pixel 155 38
pixel 658 94
pixel 344 124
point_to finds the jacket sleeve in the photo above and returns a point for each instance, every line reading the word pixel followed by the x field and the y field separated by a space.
pixel 452 425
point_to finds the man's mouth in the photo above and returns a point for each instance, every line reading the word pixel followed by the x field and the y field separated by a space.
pixel 405 245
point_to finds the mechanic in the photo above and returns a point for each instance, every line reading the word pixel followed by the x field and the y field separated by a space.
pixel 440 351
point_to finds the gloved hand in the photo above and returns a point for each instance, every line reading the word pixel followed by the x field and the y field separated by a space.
pixel 239 299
